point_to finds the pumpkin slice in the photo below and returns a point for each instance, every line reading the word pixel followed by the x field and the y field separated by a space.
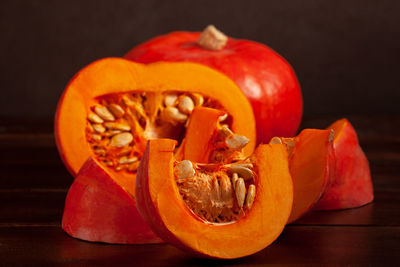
pixel 352 184
pixel 312 166
pixel 215 210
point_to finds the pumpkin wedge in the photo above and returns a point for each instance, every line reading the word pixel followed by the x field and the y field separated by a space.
pixel 352 185
pixel 205 209
pixel 312 167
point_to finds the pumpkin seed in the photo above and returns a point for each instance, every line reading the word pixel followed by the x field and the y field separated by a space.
pixel 226 189
pixel 236 141
pixel 235 177
pixel 186 105
pixel 94 118
pixel 116 110
pixel 173 115
pixel 240 191
pixel 243 172
pixel 104 113
pixel 251 193
pixel 96 137
pixel 121 140
pixel 198 99
pixel 117 126
pixel 170 100
pixel 275 140
pixel 126 160
pixel 184 170
pixel 99 128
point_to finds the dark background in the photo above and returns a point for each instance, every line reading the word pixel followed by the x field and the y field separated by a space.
pixel 345 53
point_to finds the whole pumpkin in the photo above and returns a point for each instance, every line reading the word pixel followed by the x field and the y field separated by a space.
pixel 264 76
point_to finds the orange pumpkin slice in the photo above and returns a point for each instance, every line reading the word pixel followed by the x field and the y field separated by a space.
pixel 203 209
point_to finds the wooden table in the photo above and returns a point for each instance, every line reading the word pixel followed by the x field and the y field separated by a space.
pixel 34 184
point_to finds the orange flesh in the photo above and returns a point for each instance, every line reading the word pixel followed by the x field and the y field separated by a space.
pixel 198 140
pixel 119 76
pixel 311 166
pixel 163 208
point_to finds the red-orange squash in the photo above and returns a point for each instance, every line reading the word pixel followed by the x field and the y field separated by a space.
pixel 165 203
pixel 265 77
pixel 312 167
pixel 352 185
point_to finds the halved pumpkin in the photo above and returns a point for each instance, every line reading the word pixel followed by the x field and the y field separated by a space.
pixel 112 82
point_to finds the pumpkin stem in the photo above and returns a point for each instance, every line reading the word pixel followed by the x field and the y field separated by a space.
pixel 211 38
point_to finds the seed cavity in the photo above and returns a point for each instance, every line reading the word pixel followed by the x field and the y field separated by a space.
pixel 213 193
pixel 120 124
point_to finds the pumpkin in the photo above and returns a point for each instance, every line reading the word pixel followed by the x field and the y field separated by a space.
pixel 352 185
pixel 265 77
pixel 312 167
pixel 208 209
pixel 107 113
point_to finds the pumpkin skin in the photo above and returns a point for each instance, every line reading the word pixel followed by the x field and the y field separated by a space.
pixel 265 77
pixel 165 211
pixel 98 209
pixel 352 185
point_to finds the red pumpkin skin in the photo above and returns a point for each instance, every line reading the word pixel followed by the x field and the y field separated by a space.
pixel 98 209
pixel 352 185
pixel 265 77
